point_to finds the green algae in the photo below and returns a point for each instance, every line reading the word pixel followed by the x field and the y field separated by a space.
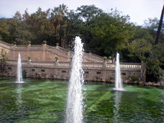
pixel 43 101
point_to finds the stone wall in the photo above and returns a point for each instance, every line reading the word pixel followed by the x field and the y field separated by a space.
pixel 4 46
pixel 43 64
pixel 44 53
pixel 61 70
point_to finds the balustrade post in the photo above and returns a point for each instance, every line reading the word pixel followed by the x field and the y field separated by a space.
pixel 29 60
pixel 56 62
pixel 44 51
pixel 104 64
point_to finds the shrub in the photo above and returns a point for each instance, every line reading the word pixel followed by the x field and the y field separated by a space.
pixel 105 58
pixel 56 58
pixel 133 78
pixel 29 57
pixel 153 71
pixel 29 42
pixel 44 42
pixel 57 44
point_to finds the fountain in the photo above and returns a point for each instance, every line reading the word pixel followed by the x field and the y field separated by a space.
pixel 19 70
pixel 74 111
pixel 118 81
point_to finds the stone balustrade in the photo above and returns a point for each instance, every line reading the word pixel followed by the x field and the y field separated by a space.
pixel 46 53
pixel 44 61
pixel 93 71
pixel 98 65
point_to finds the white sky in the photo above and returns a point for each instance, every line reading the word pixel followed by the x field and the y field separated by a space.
pixel 138 10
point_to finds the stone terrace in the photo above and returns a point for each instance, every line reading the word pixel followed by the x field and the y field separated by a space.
pixel 43 63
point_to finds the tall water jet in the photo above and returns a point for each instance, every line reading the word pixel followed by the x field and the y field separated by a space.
pixel 74 110
pixel 19 70
pixel 118 80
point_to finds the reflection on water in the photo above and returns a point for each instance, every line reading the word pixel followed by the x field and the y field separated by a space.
pixel 19 95
pixel 117 101
pixel 44 102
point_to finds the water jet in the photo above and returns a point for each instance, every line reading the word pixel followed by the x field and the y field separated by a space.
pixel 19 70
pixel 74 110
pixel 118 80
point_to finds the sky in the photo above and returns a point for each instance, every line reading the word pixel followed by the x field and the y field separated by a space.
pixel 138 10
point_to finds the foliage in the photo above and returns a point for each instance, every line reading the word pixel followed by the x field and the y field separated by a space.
pixel 44 42
pixel 102 33
pixel 29 57
pixel 29 42
pixel 0 37
pixel 133 78
pixel 154 72
pixel 105 58
pixel 57 44
pixel 140 48
pixel 3 60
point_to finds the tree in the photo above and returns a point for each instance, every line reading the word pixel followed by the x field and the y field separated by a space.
pixel 112 34
pixel 57 18
pixel 18 16
pixel 3 60
pixel 86 13
pixel 140 48
pixel 4 29
pixel 152 26
pixel 153 70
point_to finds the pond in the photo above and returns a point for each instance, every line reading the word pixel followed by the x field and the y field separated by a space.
pixel 44 101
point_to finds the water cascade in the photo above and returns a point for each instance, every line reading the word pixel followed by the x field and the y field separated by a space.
pixel 19 70
pixel 74 111
pixel 118 80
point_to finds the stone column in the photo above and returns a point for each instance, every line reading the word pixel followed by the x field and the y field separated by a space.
pixel 29 60
pixel 56 62
pixel 44 52
pixel 105 64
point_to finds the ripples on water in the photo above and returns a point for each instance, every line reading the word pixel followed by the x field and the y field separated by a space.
pixel 45 101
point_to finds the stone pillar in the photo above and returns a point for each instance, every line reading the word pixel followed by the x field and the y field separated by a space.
pixel 57 47
pixel 44 52
pixel 29 60
pixel 56 62
pixel 105 64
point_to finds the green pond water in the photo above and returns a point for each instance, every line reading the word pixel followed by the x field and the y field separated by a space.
pixel 44 101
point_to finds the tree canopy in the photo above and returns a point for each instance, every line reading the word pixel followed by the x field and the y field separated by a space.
pixel 102 33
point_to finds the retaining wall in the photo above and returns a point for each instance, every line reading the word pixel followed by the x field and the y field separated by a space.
pixel 61 70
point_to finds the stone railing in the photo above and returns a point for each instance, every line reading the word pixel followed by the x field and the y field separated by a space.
pixel 92 65
pixel 93 57
pixel 126 66
pixel 57 50
pixel 4 45
pixel 2 42
pixel 86 65
pixel 53 49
